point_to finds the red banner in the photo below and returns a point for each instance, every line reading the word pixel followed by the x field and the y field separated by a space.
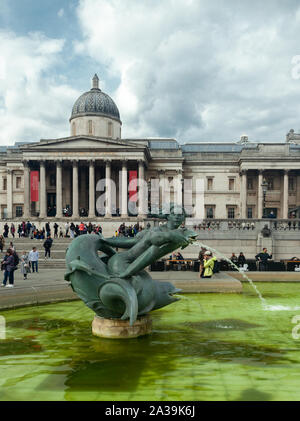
pixel 34 186
pixel 132 186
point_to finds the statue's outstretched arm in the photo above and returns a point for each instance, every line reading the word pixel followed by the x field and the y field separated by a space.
pixel 147 257
pixel 122 242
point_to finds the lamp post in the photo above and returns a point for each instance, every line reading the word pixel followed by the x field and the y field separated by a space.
pixel 264 186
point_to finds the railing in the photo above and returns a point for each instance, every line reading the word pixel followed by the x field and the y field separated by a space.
pixel 248 224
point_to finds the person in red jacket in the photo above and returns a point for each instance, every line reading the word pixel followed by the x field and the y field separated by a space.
pixel 81 228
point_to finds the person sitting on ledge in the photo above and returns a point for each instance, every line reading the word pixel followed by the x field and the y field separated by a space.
pixel 208 265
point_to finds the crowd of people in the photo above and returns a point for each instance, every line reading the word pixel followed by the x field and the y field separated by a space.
pixel 29 230
pixel 130 231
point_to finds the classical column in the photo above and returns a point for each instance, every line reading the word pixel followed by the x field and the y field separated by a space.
pixel 9 193
pixel 124 183
pixel 260 197
pixel 42 189
pixel 179 188
pixel 26 213
pixel 243 194
pixel 285 199
pixel 143 200
pixel 75 213
pixel 108 197
pixel 92 191
pixel 59 204
pixel 161 188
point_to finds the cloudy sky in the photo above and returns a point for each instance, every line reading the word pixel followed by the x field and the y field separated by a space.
pixel 196 70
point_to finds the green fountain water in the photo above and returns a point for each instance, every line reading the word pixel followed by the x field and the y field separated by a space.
pixel 215 346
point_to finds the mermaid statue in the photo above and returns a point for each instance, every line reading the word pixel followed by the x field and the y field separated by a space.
pixel 115 285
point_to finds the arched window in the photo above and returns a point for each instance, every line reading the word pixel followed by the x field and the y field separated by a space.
pixel 90 126
pixel 109 129
pixel 73 129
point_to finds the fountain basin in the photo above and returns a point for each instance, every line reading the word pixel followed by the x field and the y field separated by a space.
pixel 121 329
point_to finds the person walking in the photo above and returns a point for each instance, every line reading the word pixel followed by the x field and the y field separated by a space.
pixel 72 230
pixel 6 229
pixel 25 268
pixel 263 259
pixel 55 230
pixel 48 230
pixel 67 227
pixel 47 246
pixel 8 265
pixel 2 243
pixel 12 230
pixel 33 258
pixel 201 261
pixel 209 263
pixel 81 228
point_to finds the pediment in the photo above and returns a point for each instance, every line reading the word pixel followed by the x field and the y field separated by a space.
pixel 79 143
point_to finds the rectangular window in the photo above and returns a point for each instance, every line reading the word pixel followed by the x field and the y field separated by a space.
pixel 249 213
pixel 250 183
pixel 210 183
pixel 18 182
pixel 90 127
pixel 109 129
pixel 291 184
pixel 19 211
pixel 231 184
pixel 4 183
pixel 231 212
pixel 210 211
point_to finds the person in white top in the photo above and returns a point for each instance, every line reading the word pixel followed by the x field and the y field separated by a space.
pixel 33 258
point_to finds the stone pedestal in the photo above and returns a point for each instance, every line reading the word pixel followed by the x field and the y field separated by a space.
pixel 120 329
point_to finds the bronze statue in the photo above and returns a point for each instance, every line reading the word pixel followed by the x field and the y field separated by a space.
pixel 115 285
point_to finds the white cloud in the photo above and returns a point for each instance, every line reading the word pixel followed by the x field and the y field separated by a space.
pixel 32 99
pixel 60 13
pixel 198 70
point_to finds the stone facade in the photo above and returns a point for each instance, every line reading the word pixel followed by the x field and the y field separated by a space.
pixel 70 169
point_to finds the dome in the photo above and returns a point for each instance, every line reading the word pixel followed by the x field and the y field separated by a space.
pixel 95 102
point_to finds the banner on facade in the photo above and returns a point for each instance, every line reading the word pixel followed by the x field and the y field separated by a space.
pixel 34 186
pixel 132 186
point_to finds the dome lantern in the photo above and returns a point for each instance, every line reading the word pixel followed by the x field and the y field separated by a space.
pixel 95 82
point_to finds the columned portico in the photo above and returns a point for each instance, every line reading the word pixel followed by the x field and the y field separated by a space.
pixel 9 194
pixel 260 195
pixel 161 187
pixel 59 205
pixel 43 189
pixel 243 195
pixel 179 187
pixel 26 213
pixel 124 195
pixel 285 194
pixel 75 210
pixel 142 191
pixel 108 190
pixel 92 189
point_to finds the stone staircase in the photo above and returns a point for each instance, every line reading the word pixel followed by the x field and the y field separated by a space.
pixel 58 250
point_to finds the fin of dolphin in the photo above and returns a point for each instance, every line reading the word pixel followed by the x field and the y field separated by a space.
pixel 120 289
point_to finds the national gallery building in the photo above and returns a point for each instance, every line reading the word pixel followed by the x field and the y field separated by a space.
pixel 61 178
